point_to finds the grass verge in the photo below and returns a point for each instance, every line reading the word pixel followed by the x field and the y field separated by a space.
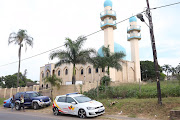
pixel 146 108
pixel 1 101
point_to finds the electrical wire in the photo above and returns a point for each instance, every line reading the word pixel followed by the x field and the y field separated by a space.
pixel 88 35
pixel 165 6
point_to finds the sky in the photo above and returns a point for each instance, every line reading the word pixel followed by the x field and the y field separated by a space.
pixel 49 22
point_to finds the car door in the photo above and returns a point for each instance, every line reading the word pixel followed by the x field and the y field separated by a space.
pixel 61 104
pixel 27 100
pixel 72 105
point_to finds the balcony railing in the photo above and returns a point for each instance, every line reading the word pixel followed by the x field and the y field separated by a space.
pixel 108 13
pixel 108 23
pixel 134 36
pixel 133 28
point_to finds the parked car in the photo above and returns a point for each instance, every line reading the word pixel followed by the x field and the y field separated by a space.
pixel 32 99
pixel 7 103
pixel 77 104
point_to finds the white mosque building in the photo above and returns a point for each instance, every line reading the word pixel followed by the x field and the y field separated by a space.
pixel 87 73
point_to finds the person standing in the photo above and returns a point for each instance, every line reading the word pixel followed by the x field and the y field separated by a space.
pixel 22 102
pixel 12 102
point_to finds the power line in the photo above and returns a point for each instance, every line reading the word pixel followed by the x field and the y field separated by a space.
pixel 88 35
pixel 58 47
pixel 32 56
pixel 165 6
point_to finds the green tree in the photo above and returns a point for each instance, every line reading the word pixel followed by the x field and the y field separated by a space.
pixel 167 68
pixel 2 82
pixel 109 60
pixel 173 70
pixel 21 38
pixel 73 54
pixel 54 81
pixel 148 71
pixel 11 80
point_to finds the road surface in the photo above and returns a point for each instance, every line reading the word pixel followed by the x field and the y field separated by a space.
pixel 29 114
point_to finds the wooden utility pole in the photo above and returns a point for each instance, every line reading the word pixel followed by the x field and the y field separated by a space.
pixel 148 13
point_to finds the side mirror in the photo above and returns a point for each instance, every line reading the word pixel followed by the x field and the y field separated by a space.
pixel 73 103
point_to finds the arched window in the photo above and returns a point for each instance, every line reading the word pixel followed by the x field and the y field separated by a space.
pixel 59 73
pixel 102 70
pixel 89 70
pixel 47 74
pixel 96 70
pixel 46 86
pixel 42 85
pixel 66 72
pixel 42 75
pixel 81 71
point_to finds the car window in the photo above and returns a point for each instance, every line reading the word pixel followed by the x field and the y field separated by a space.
pixel 26 96
pixel 82 99
pixel 61 99
pixel 17 95
pixel 70 100
pixel 35 94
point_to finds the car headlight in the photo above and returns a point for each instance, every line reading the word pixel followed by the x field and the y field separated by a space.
pixel 40 100
pixel 90 108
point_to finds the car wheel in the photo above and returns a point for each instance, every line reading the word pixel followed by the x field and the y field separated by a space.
pixel 82 113
pixel 35 106
pixel 17 106
pixel 56 111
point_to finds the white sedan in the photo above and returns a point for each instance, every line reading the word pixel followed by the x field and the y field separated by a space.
pixel 77 104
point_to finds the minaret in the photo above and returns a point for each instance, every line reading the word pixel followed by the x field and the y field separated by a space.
pixel 108 24
pixel 134 36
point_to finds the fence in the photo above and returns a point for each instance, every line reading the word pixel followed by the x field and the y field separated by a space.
pixel 9 92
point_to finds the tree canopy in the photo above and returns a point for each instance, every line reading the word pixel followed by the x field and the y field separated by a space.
pixel 73 54
pixel 148 71
pixel 11 80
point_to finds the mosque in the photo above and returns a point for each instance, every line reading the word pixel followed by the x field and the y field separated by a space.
pixel 87 73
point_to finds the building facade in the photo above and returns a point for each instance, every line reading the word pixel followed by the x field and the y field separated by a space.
pixel 87 73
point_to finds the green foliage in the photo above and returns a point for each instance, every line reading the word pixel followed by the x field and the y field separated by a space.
pixel 105 80
pixel 11 80
pixel 20 38
pixel 162 76
pixel 109 60
pixel 149 90
pixel 148 71
pixel 1 100
pixel 53 80
pixel 73 54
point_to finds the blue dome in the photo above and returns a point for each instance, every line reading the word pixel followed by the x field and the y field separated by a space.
pixel 133 19
pixel 117 48
pixel 108 3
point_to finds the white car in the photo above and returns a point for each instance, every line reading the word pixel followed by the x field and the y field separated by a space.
pixel 77 104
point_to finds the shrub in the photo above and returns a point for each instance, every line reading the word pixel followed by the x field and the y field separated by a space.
pixel 149 90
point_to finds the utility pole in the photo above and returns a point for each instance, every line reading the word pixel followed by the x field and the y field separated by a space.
pixel 148 13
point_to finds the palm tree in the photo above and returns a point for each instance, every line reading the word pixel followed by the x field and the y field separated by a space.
pixel 54 81
pixel 173 70
pixel 73 54
pixel 166 68
pixel 20 38
pixel 109 60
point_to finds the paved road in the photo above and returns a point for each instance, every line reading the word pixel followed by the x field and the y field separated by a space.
pixel 6 114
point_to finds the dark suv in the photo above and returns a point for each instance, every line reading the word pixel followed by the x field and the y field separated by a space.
pixel 32 99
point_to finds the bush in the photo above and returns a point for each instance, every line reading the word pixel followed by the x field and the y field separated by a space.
pixel 105 81
pixel 149 90
pixel 162 76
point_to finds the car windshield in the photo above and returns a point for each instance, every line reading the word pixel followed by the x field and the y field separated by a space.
pixel 34 94
pixel 82 99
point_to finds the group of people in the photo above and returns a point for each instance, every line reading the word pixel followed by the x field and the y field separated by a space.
pixel 13 100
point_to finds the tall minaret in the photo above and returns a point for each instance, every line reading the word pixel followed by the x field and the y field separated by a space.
pixel 134 36
pixel 108 24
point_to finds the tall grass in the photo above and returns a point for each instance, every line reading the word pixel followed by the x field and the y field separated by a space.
pixel 149 90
